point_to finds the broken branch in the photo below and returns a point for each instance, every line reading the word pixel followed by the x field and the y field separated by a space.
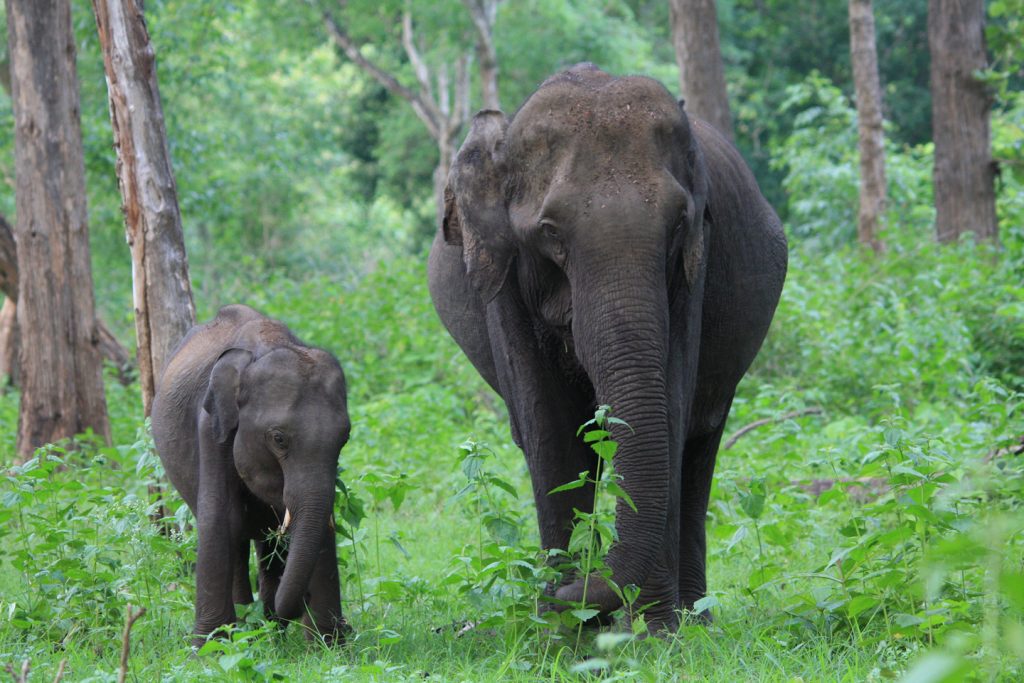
pixel 815 410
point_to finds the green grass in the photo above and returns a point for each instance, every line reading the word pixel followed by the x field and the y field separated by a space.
pixel 912 383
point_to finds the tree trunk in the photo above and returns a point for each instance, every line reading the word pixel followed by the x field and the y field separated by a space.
pixel 964 172
pixel 483 13
pixel 110 348
pixel 164 310
pixel 445 155
pixel 8 261
pixel 10 373
pixel 871 141
pixel 8 314
pixel 701 75
pixel 61 371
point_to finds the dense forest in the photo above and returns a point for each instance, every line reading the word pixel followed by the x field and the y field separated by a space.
pixel 865 515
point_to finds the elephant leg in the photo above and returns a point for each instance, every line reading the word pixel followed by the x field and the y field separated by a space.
pixel 219 522
pixel 698 468
pixel 556 456
pixel 323 602
pixel 241 583
pixel 545 411
pixel 271 567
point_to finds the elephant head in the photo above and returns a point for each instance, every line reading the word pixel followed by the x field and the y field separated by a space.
pixel 588 207
pixel 283 415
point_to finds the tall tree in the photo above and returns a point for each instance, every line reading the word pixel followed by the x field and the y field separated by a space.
pixel 110 348
pixel 440 102
pixel 162 293
pixel 701 75
pixel 61 372
pixel 484 13
pixel 964 173
pixel 871 141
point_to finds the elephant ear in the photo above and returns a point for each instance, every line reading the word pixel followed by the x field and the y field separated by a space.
pixel 221 400
pixel 689 237
pixel 475 208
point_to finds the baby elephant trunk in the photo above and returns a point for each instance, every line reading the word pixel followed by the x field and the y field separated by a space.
pixel 308 528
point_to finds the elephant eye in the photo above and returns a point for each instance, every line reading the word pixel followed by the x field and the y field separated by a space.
pixel 278 439
pixel 549 231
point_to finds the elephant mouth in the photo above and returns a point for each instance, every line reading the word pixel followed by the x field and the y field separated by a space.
pixel 286 522
pixel 560 348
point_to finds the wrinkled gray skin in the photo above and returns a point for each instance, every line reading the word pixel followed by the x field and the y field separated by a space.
pixel 248 421
pixel 601 248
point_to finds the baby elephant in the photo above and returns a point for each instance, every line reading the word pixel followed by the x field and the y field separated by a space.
pixel 249 422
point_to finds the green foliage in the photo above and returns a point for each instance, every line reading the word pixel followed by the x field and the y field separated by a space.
pixel 1002 34
pixel 819 159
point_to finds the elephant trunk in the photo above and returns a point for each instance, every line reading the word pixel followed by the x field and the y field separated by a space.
pixel 622 342
pixel 310 514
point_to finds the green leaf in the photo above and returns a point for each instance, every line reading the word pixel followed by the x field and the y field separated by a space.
pixel 860 604
pixel 503 531
pixel 617 491
pixel 705 604
pixel 585 614
pixel 581 539
pixel 571 485
pixel 605 449
pixel 738 535
pixel 596 435
pixel 610 641
pixel 230 661
pixel 938 667
pixel 752 502
pixel 591 664
pixel 472 465
pixel 617 421
pixel 505 486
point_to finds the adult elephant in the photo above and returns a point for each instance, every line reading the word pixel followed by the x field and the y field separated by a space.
pixel 599 247
pixel 249 422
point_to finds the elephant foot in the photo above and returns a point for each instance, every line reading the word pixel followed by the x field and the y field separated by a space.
pixel 660 622
pixel 599 595
pixel 334 632
pixel 201 634
pixel 695 618
pixel 268 594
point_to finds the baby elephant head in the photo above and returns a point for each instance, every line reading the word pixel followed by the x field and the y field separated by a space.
pixel 284 416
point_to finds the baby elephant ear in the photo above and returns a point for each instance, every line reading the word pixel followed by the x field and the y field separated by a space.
pixel 475 212
pixel 221 400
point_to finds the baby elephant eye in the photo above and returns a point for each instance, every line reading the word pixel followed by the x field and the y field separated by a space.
pixel 549 231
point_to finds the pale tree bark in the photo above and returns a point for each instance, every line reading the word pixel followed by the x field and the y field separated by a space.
pixel 701 74
pixel 8 313
pixel 110 348
pixel 441 98
pixel 10 372
pixel 162 293
pixel 964 171
pixel 61 371
pixel 871 140
pixel 484 13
